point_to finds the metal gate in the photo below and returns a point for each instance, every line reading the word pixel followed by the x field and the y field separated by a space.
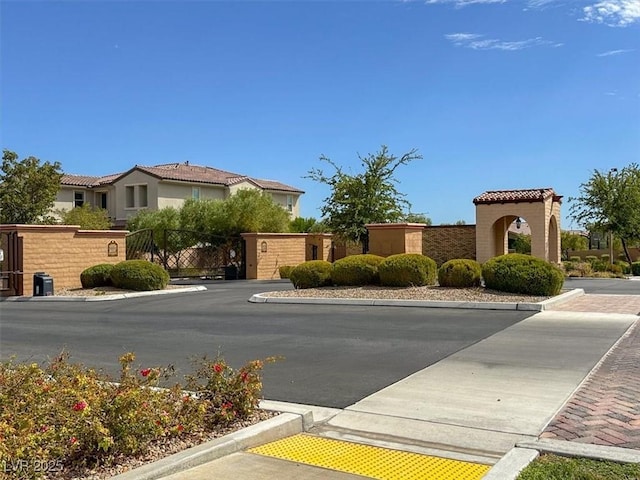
pixel 186 253
pixel 11 269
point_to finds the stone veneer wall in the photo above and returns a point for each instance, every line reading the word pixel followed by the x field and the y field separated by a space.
pixel 446 242
pixel 64 251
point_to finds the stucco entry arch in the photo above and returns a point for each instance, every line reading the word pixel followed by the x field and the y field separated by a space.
pixel 497 209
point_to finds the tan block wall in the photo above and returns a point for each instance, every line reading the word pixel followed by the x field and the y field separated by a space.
pixel 324 242
pixel 446 242
pixel 282 249
pixel 342 250
pixel 392 238
pixel 64 251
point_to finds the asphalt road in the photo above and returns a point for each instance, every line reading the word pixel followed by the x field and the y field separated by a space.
pixel 334 355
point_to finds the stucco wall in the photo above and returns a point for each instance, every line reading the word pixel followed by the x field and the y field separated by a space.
pixel 175 194
pixel 64 251
pixel 135 178
pixel 493 220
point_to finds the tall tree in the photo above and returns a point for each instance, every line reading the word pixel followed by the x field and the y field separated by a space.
pixel 87 216
pixel 610 202
pixel 28 188
pixel 367 197
pixel 417 218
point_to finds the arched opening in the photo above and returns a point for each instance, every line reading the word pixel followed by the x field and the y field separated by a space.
pixel 554 245
pixel 499 234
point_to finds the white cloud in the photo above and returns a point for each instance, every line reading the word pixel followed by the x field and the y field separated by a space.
pixel 476 42
pixel 464 3
pixel 613 52
pixel 614 13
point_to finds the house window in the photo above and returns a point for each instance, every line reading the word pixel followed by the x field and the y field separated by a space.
pixel 195 193
pixel 78 199
pixel 130 201
pixel 290 203
pixel 142 196
pixel 102 199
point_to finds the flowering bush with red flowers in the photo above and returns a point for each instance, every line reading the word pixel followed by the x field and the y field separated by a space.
pixel 228 394
pixel 72 415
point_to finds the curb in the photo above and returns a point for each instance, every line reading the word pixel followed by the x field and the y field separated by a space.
pixel 369 302
pixel 283 425
pixel 104 298
pixel 584 450
pixel 510 465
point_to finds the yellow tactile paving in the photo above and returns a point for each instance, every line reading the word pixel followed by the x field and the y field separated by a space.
pixel 369 461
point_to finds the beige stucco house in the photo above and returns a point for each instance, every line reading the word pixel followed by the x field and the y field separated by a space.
pixel 167 185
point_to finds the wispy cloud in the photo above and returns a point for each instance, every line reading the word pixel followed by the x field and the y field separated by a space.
pixel 614 13
pixel 476 42
pixel 613 52
pixel 464 3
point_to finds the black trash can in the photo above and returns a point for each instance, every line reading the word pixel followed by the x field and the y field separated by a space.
pixel 42 285
pixel 231 272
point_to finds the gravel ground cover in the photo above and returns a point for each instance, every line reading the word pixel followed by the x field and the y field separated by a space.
pixel 411 293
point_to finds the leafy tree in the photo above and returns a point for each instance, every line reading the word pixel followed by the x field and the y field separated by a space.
pixel 28 188
pixel 610 202
pixel 367 197
pixel 302 225
pixel 522 243
pixel 88 217
pixel 572 241
pixel 250 210
pixel 460 222
pixel 417 218
pixel 320 227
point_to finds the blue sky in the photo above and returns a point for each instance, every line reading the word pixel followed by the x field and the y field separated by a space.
pixel 495 94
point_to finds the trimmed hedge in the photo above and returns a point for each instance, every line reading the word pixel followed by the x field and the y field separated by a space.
pixel 460 272
pixel 356 270
pixel 311 274
pixel 407 270
pixel 285 270
pixel 517 273
pixel 635 268
pixel 97 276
pixel 139 275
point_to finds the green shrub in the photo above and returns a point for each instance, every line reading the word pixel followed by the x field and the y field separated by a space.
pixel 569 265
pixel 285 270
pixel 575 258
pixel 139 275
pixel 599 266
pixel 96 276
pixel 635 268
pixel 311 274
pixel 625 266
pixel 591 258
pixel 516 273
pixel 617 269
pixel 604 257
pixel 460 273
pixel 356 270
pixel 407 269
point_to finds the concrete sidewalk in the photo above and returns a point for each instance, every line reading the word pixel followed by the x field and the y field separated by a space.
pixel 473 406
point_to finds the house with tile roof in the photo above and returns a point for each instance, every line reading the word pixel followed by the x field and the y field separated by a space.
pixel 167 185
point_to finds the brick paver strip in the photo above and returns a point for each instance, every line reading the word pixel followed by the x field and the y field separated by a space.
pixel 606 408
pixel 602 303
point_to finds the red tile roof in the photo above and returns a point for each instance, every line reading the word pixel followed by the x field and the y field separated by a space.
pixel 182 172
pixel 511 196
pixel 79 180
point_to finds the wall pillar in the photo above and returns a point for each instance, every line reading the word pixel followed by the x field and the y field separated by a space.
pixel 391 238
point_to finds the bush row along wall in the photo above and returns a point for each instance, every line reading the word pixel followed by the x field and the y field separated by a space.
pixel 447 242
pixel 617 254
pixel 64 251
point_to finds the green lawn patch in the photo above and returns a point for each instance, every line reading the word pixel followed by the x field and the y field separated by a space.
pixel 553 467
